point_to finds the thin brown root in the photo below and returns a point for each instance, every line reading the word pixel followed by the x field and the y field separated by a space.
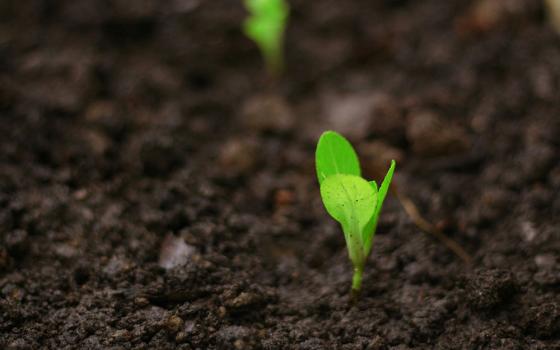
pixel 412 211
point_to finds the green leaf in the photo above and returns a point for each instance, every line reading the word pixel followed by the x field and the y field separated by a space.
pixel 369 230
pixel 350 200
pixel 335 155
pixel 266 26
pixel 366 231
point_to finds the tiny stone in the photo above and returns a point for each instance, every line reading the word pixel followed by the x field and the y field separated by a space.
pixel 116 265
pixel 174 252
pixel 141 301
pixel 80 194
pixel 65 250
pixel 174 323
pixel 239 344
pixel 121 335
pixel 97 141
pixel 222 312
pixel 181 337
pixel 545 260
pixel 283 197
pixel 18 344
pixel 243 299
pixel 528 231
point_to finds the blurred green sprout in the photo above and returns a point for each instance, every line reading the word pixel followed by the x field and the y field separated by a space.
pixel 350 199
pixel 265 26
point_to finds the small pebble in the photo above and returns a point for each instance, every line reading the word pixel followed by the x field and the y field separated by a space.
pixel 222 312
pixel 121 335
pixel 181 337
pixel 65 250
pixel 283 198
pixel 239 344
pixel 174 252
pixel 528 231
pixel 141 301
pixel 174 324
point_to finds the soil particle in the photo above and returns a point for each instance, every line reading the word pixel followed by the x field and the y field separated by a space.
pixel 120 335
pixel 174 252
pixel 141 301
pixel 494 202
pixel 387 118
pixel 489 289
pixel 66 250
pixel 248 301
pixel 159 157
pixel 545 261
pixel 547 276
pixel 538 159
pixel 283 198
pixel 484 15
pixel 174 324
pixel 545 320
pixel 363 113
pixel 375 157
pixel 117 265
pixel 349 114
pixel 17 243
pixel 97 141
pixel 64 78
pixel 141 9
pixel 431 135
pixel 238 156
pixel 528 231
pixel 4 258
pixel 233 335
pixel 267 112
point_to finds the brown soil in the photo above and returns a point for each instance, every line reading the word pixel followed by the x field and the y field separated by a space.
pixel 158 192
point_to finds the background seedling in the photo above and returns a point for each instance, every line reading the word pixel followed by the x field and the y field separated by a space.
pixel 553 9
pixel 265 26
pixel 351 200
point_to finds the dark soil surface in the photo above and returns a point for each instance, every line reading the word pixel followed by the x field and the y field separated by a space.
pixel 157 191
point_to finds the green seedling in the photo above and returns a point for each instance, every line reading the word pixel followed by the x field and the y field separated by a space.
pixel 265 26
pixel 553 9
pixel 350 199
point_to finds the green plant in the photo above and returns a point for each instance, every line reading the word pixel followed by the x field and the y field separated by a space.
pixel 552 7
pixel 265 26
pixel 351 200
